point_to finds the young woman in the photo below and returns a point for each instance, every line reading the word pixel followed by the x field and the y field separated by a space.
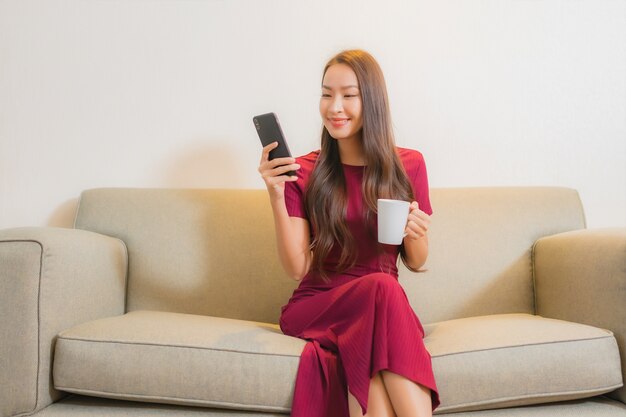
pixel 365 354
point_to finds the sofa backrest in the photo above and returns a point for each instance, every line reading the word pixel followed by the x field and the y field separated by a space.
pixel 213 251
pixel 480 247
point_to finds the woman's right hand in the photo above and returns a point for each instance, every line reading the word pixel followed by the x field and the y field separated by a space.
pixel 274 174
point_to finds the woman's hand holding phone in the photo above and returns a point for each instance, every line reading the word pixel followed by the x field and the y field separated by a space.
pixel 277 166
pixel 274 172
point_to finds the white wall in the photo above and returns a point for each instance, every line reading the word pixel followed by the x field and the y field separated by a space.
pixel 131 93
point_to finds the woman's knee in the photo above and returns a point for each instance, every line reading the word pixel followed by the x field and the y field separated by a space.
pixel 354 407
pixel 383 283
pixel 379 404
pixel 380 279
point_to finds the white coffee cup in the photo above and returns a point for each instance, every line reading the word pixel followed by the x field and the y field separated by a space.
pixel 392 218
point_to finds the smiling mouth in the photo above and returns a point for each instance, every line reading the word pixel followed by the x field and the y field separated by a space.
pixel 339 122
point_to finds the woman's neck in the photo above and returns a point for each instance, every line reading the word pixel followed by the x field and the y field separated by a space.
pixel 351 151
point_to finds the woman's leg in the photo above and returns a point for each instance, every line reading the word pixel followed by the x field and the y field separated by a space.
pixel 378 404
pixel 408 398
pixel 349 317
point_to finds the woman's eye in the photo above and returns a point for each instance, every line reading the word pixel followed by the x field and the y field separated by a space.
pixel 325 95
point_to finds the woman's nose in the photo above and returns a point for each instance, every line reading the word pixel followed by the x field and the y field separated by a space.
pixel 337 105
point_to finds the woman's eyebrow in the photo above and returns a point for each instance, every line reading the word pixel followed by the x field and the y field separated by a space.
pixel 345 87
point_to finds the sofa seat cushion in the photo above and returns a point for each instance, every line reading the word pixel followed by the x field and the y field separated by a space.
pixel 507 360
pixel 176 358
pixel 81 406
pixel 479 362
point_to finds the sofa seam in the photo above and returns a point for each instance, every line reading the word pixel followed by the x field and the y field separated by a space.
pixel 173 346
pixel 533 273
pixel 281 354
pixel 215 402
pixel 41 256
pixel 523 345
pixel 127 274
pixel 539 395
pixel 582 209
pixel 80 199
pixel 472 404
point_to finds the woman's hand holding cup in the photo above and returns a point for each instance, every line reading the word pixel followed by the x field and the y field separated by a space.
pixel 417 222
pixel 274 172
pixel 393 226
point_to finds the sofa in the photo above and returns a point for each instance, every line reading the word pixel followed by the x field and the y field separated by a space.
pixel 165 302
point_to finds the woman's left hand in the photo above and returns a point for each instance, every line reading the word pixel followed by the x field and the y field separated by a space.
pixel 417 222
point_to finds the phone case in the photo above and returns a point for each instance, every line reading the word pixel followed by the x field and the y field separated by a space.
pixel 269 130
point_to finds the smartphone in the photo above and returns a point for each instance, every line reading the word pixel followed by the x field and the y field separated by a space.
pixel 268 128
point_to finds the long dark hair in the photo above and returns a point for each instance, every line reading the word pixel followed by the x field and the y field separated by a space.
pixel 383 177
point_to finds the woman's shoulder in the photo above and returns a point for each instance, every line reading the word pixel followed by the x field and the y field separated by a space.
pixel 307 163
pixel 309 158
pixel 411 159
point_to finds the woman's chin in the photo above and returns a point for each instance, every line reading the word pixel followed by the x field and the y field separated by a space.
pixel 339 135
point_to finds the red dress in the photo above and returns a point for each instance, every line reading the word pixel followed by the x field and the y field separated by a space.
pixel 361 322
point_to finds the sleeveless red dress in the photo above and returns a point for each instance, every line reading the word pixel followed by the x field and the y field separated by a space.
pixel 361 321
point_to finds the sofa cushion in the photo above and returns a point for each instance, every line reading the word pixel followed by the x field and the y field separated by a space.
pixel 176 358
pixel 479 362
pixel 81 406
pixel 507 360
pixel 186 250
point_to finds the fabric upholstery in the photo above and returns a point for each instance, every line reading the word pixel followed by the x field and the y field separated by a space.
pixel 77 405
pixel 517 359
pixel 596 407
pixel 180 359
pixel 480 362
pixel 480 242
pixel 581 276
pixel 208 252
pixel 82 406
pixel 51 279
pixel 181 244
pixel 180 251
pixel 19 350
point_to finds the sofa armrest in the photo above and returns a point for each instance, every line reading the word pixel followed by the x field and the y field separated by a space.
pixel 580 276
pixel 50 279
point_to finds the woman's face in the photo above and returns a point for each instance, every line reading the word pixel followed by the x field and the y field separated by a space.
pixel 340 104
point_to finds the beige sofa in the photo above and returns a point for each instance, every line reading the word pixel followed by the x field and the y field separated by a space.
pixel 164 302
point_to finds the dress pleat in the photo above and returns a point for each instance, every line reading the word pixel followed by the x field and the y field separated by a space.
pixel 320 386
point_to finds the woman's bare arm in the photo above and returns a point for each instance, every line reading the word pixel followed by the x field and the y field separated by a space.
pixel 292 233
pixel 292 238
